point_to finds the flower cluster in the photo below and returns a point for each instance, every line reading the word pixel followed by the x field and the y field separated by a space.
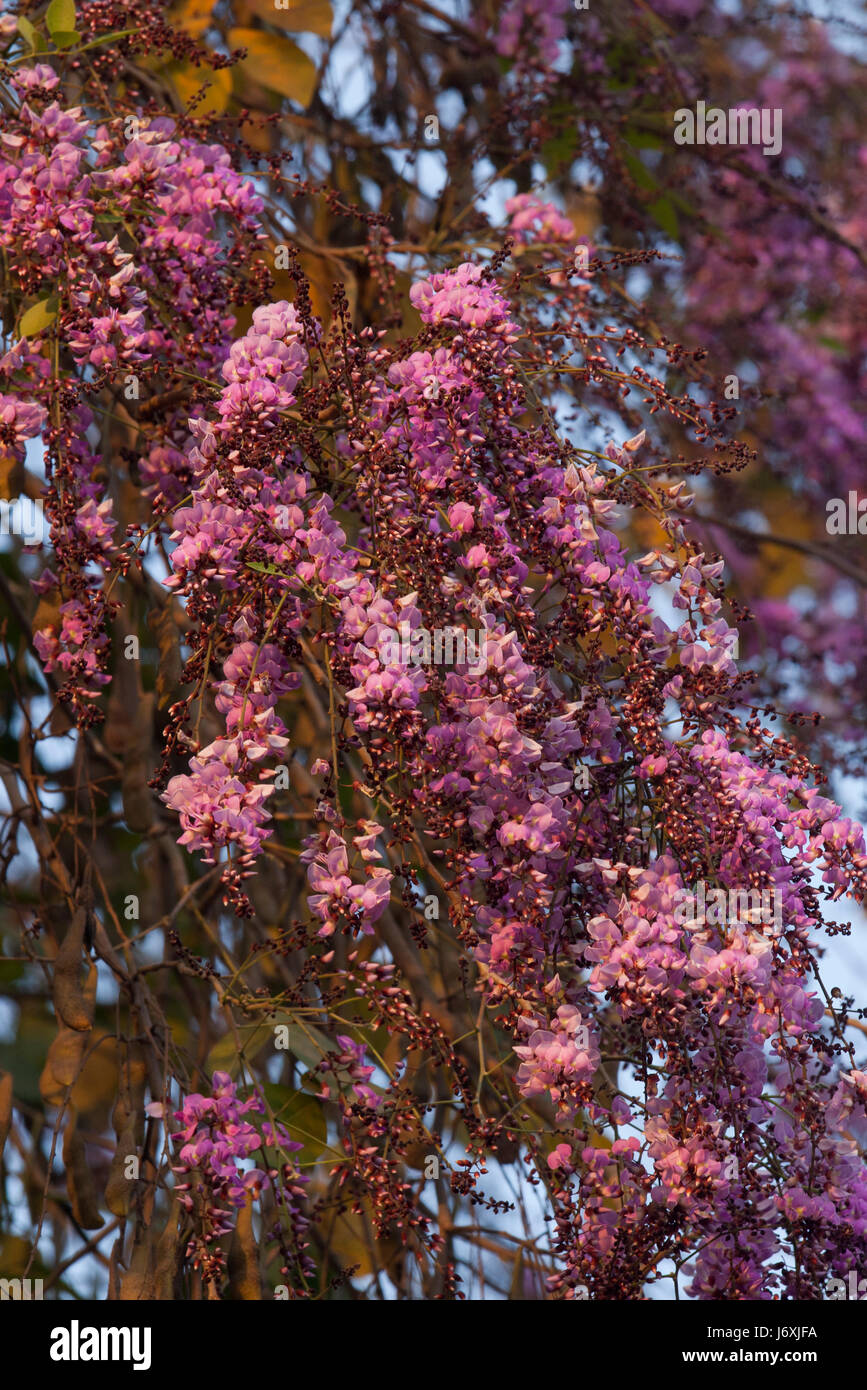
pixel 558 1060
pixel 216 1143
pixel 322 490
pixel 67 185
pixel 351 1060
pixel 531 219
pixel 489 756
pixel 335 895
pixel 264 368
pixel 532 23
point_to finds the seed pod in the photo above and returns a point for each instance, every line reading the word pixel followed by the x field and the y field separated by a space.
pixel 245 1281
pixel 151 1272
pixel 167 1260
pixel 132 1081
pixel 138 800
pixel 79 1180
pixel 114 1260
pixel 118 1189
pixel 70 1001
pixel 5 1108
pixel 62 1065
pixel 138 1282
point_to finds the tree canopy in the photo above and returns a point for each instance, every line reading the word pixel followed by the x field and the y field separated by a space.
pixel 433 649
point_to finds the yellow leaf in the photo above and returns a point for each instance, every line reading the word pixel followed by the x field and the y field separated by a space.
pixel 320 279
pixel 95 1090
pixel 188 81
pixel 276 63
pixel 298 16
pixel 60 17
pixel 11 477
pixel 352 1237
pixel 38 317
pixel 194 16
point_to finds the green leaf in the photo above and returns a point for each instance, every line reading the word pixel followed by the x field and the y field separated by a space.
pixel 643 139
pixel 65 40
pixel 664 213
pixel 60 17
pixel 682 204
pixel 39 317
pixel 639 171
pixel 834 344
pixel 303 1041
pixel 109 38
pixel 306 1042
pixel 29 34
pixel 25 1057
pixel 561 149
pixel 261 569
pixel 303 1116
pixel 226 1055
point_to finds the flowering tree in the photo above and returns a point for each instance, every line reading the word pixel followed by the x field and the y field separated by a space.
pixel 408 894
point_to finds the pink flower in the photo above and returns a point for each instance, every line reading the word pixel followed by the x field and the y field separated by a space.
pixel 560 1157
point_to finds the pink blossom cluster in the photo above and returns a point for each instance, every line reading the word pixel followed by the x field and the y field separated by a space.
pixel 464 296
pixel 351 1060
pixel 702 1101
pixel 217 1143
pixel 558 1059
pixel 65 179
pixel 524 24
pixel 531 219
pixel 19 421
pixel 492 757
pixel 218 807
pixel 264 368
pixel 78 649
pixel 334 893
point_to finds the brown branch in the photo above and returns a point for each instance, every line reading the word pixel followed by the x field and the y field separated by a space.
pixel 817 552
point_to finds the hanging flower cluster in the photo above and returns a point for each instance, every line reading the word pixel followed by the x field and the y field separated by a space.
pixel 466 513
pixel 216 1141
pixel 566 752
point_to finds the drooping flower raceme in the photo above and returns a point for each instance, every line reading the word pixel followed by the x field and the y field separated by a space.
pixel 473 511
pixel 216 1144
